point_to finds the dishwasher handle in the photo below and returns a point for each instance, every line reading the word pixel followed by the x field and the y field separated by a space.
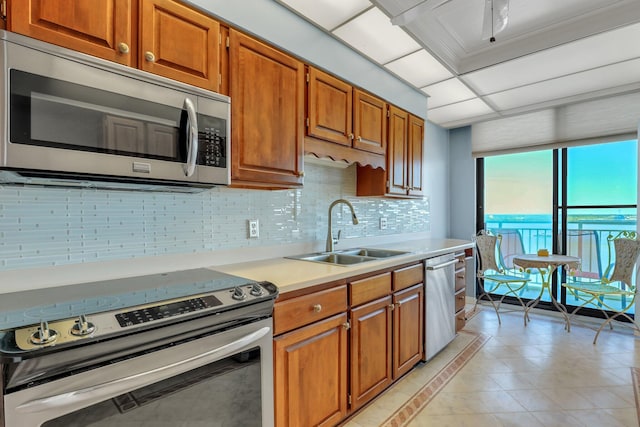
pixel 443 265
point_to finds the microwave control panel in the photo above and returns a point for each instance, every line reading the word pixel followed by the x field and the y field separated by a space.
pixel 212 142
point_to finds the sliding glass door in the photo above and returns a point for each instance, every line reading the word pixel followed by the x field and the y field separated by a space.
pixel 569 201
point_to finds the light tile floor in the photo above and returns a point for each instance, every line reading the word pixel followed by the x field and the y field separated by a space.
pixel 538 375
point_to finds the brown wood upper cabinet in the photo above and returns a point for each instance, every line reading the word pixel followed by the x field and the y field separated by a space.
pixel 403 176
pixel 170 39
pixel 267 130
pixel 339 113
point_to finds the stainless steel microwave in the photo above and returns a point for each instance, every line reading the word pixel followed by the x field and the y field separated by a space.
pixel 71 119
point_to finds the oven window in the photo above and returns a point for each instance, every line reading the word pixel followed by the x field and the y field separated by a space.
pixel 223 393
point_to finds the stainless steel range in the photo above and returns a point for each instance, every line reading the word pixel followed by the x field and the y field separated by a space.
pixel 186 348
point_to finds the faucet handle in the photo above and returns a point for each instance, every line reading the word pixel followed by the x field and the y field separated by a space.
pixel 337 238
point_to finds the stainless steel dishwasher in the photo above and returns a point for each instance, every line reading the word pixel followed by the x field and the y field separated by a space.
pixel 440 325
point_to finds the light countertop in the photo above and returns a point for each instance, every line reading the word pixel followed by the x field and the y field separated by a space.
pixel 290 274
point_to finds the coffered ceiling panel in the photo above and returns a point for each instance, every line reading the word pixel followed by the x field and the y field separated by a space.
pixel 552 52
pixel 611 47
pixel 608 78
pixel 420 69
pixel 372 34
pixel 454 113
pixel 328 13
pixel 448 92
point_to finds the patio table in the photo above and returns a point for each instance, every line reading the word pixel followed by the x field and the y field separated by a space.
pixel 546 265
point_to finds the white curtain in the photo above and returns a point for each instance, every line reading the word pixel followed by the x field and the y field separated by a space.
pixel 601 120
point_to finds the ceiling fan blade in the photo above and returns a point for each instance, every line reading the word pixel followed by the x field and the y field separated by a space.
pixel 496 17
pixel 414 12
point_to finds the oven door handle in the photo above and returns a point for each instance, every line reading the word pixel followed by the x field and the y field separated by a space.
pixel 106 390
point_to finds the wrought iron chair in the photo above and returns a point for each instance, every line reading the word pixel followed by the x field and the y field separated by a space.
pixel 510 245
pixel 616 284
pixel 585 245
pixel 492 274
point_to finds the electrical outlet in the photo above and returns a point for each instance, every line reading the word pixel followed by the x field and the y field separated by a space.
pixel 254 228
pixel 383 223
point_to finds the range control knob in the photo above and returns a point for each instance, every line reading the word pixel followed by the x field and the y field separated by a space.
pixel 238 294
pixel 44 335
pixel 256 290
pixel 82 327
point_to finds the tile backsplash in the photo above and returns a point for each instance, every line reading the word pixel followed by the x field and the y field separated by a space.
pixel 55 226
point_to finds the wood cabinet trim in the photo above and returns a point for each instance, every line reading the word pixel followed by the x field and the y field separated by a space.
pixel 373 287
pixel 307 309
pixel 408 276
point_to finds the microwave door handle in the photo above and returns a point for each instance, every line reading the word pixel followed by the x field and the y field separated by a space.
pixel 192 138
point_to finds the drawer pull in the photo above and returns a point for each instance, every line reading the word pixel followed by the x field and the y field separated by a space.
pixel 346 326
pixel 123 48
pixel 149 56
pixel 391 307
pixel 317 308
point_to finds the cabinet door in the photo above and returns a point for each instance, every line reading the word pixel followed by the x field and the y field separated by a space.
pixel 310 372
pixel 371 332
pixel 415 159
pixel 369 123
pixel 408 321
pixel 267 126
pixel 329 108
pixel 179 43
pixel 397 153
pixel 102 28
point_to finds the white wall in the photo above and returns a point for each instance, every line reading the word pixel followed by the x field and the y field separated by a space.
pixel 436 178
pixel 462 176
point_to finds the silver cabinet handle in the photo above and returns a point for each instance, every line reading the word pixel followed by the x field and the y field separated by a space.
pixel 443 265
pixel 122 385
pixel 192 138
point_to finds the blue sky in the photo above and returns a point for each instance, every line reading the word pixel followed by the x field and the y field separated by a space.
pixel 598 174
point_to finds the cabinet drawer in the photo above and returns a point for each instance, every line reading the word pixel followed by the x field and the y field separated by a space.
pixel 408 276
pixel 305 309
pixel 461 282
pixel 461 261
pixel 460 299
pixel 368 289
pixel 460 320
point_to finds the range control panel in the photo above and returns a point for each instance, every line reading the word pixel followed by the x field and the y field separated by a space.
pixel 116 322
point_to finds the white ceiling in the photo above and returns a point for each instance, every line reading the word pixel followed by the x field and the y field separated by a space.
pixel 552 52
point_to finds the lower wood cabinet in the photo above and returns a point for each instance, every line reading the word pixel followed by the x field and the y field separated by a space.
pixel 371 350
pixel 310 368
pixel 408 332
pixel 331 358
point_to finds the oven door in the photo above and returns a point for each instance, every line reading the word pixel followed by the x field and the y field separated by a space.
pixel 224 379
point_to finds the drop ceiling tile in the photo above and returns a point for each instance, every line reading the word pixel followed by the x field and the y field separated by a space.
pixel 611 47
pixel 447 92
pixel 328 13
pixel 419 68
pixel 460 111
pixel 372 34
pixel 611 76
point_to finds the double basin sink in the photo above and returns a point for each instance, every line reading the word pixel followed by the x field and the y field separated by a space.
pixel 349 256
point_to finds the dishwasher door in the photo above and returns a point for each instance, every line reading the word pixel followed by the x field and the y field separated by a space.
pixel 440 325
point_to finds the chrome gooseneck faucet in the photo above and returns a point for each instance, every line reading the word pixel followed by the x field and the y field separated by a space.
pixel 330 240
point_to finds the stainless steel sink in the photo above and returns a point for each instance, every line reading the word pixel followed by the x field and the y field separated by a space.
pixel 374 253
pixel 348 256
